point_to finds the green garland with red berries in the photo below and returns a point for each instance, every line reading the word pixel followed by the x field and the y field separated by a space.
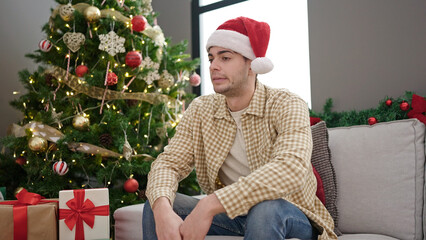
pixel 409 105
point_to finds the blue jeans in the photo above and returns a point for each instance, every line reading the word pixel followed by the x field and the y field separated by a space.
pixel 275 219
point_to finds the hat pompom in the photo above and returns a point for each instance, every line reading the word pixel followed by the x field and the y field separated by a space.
pixel 262 65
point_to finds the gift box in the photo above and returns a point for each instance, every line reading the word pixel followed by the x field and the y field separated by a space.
pixel 84 214
pixel 30 217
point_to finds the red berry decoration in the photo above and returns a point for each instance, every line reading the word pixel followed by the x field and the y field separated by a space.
pixel 404 106
pixel 81 70
pixel 138 23
pixel 60 168
pixel 45 45
pixel 21 160
pixel 133 59
pixel 388 102
pixel 112 79
pixel 195 80
pixel 372 120
pixel 131 185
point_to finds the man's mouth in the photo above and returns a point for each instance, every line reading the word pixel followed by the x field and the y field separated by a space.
pixel 218 79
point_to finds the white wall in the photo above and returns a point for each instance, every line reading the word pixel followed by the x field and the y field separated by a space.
pixel 364 50
pixel 20 28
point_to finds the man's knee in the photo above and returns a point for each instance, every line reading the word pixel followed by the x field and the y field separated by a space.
pixel 277 217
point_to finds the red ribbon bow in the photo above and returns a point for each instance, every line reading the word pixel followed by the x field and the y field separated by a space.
pixel 25 199
pixel 80 211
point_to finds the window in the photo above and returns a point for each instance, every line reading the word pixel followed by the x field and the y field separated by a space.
pixel 288 47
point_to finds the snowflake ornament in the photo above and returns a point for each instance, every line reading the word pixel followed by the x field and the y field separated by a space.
pixel 151 77
pixel 148 63
pixel 112 43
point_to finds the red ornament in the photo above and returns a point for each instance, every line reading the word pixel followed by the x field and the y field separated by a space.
pixel 21 160
pixel 81 70
pixel 138 23
pixel 388 102
pixel 404 106
pixel 372 120
pixel 112 79
pixel 133 59
pixel 45 45
pixel 131 185
pixel 195 80
pixel 61 168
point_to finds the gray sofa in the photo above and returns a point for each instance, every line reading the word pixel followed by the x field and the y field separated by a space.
pixel 379 174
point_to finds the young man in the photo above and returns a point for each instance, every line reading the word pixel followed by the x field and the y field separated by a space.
pixel 250 146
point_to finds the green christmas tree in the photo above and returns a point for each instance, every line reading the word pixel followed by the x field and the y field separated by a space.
pixel 105 100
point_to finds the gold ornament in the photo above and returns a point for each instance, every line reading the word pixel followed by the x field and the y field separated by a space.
pixel 74 40
pixel 92 14
pixel 80 122
pixel 66 12
pixel 166 80
pixel 37 144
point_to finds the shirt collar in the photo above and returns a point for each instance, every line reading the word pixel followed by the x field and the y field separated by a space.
pixel 256 106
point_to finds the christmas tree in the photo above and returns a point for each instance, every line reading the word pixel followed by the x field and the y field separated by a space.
pixel 105 100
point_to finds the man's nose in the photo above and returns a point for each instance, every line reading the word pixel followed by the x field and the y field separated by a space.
pixel 214 65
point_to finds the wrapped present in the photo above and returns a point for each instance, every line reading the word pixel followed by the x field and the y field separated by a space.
pixel 84 214
pixel 30 217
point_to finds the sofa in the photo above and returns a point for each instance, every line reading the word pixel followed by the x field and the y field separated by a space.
pixel 373 178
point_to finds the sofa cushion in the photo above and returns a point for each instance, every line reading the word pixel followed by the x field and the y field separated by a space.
pixel 321 161
pixel 365 237
pixel 380 176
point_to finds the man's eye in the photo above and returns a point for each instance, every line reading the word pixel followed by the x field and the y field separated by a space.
pixel 225 58
pixel 210 60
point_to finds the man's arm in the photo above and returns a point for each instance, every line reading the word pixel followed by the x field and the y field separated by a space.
pixel 167 222
pixel 198 223
pixel 171 166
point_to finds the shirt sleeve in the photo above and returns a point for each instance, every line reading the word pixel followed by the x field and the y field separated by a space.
pixel 287 170
pixel 175 163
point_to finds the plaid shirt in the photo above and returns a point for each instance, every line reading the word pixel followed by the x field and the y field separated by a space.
pixel 278 142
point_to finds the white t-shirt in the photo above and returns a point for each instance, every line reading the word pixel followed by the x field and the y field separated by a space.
pixel 235 164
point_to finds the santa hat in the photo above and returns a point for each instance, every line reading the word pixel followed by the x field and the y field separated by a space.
pixel 247 37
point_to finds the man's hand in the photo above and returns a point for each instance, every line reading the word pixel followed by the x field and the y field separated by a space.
pixel 197 224
pixel 167 222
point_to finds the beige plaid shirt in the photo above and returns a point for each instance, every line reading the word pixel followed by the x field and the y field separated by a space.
pixel 278 143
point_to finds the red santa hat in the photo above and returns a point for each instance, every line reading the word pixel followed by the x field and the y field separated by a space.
pixel 247 37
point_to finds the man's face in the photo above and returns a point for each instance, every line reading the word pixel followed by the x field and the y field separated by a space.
pixel 229 71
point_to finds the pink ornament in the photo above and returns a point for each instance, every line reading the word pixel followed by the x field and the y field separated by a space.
pixel 388 102
pixel 112 79
pixel 195 80
pixel 133 59
pixel 138 23
pixel 45 45
pixel 131 185
pixel 60 168
pixel 81 70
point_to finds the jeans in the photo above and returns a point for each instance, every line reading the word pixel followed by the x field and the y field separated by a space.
pixel 273 219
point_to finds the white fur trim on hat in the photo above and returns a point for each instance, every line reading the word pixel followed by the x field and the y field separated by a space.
pixel 232 40
pixel 262 65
